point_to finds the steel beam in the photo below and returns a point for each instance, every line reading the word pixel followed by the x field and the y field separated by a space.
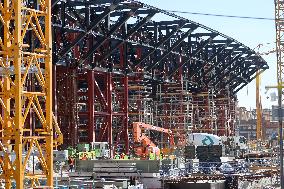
pixel 91 109
pixel 165 39
pixel 75 25
pixel 218 62
pixel 100 42
pixel 170 49
pixel 226 66
pixel 192 56
pixel 90 28
pixel 99 94
pixel 222 74
pixel 54 2
pixel 128 34
pixel 109 117
pixel 126 116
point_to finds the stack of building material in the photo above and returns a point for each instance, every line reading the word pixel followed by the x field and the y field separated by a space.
pixel 118 166
pixel 189 152
pixel 198 185
pixel 146 170
pixel 214 153
pixel 202 153
pixel 210 153
pixel 114 167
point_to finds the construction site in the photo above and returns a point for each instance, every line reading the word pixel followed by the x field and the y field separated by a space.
pixel 120 94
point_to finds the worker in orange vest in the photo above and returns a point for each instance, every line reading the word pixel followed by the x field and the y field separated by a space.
pixel 84 157
pixel 122 156
pixel 1 162
pixel 71 163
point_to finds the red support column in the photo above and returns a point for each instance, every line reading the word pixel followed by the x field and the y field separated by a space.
pixel 54 88
pixel 66 90
pixel 109 111
pixel 125 106
pixel 91 94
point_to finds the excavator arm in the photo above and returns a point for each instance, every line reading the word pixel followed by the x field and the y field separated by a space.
pixel 140 137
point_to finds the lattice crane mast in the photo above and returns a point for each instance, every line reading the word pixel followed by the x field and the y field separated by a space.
pixel 259 136
pixel 279 25
pixel 26 92
pixel 258 109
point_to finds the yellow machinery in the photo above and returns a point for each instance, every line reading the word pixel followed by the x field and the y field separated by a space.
pixel 258 109
pixel 26 91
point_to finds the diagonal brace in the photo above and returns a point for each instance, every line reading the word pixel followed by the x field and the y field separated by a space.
pixel 193 55
pixel 129 33
pixel 221 76
pixel 165 39
pixel 94 24
pixel 100 42
pixel 165 54
pixel 99 94
pixel 236 58
pixel 216 64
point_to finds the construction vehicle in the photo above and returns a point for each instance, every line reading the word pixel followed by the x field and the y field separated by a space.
pixel 234 144
pixel 203 139
pixel 147 147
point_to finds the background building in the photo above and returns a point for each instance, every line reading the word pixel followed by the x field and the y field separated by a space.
pixel 246 123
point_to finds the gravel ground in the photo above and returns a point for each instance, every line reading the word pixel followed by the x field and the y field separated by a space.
pixel 265 183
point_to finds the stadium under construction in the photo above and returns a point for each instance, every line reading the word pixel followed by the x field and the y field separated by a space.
pixel 121 94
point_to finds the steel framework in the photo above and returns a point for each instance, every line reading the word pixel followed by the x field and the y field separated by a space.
pixel 26 88
pixel 126 54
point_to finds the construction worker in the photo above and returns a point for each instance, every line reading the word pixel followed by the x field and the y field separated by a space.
pixel 122 155
pixel 84 157
pixel 2 162
pixel 151 155
pixel 116 156
pixel 161 156
pixel 71 163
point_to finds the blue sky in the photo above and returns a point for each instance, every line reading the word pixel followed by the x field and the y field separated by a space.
pixel 247 31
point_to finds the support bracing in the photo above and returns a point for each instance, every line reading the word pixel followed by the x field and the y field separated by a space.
pixel 129 67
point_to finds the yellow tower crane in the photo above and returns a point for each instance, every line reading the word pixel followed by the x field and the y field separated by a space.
pixel 259 133
pixel 26 92
pixel 279 25
pixel 258 109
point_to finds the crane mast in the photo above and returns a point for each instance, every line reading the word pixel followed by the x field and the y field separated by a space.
pixel 258 109
pixel 279 25
pixel 26 92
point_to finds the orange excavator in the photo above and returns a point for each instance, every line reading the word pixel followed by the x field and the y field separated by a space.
pixel 147 146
